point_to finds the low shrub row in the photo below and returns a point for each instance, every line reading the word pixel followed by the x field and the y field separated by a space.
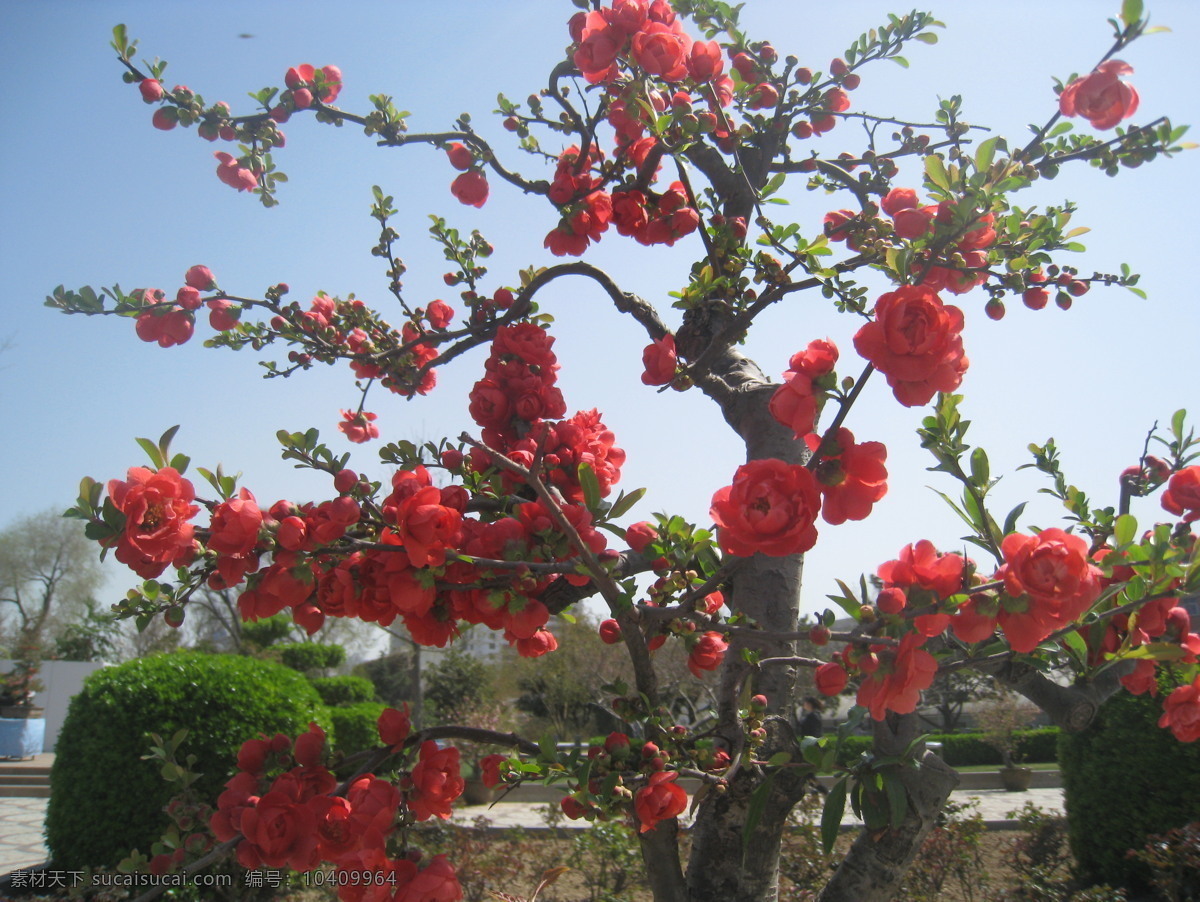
pixel 1037 746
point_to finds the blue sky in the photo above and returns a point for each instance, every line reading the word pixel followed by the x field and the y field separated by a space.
pixel 92 194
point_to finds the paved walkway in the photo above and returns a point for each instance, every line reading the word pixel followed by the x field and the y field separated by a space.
pixel 21 845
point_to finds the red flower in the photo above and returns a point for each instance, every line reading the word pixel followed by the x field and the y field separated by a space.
pixel 851 477
pixel 460 156
pixel 770 508
pixel 279 833
pixel 1141 679
pixel 610 632
pixel 659 800
pixel 659 361
pixel 166 327
pixel 897 682
pixel 970 624
pixel 916 342
pixel 234 174
pixel 157 508
pixel 426 526
pixel 235 524
pixel 815 361
pixel 200 278
pixel 471 188
pixel 921 565
pixel 795 405
pixel 598 48
pixel 540 643
pixel 1101 97
pixel 309 748
pixel 436 882
pixel 1053 569
pixel 359 427
pixel 436 782
pixel 708 653
pixel 489 767
pixel 639 535
pixel 663 50
pixel 440 314
pixel 1181 712
pixel 1182 497
pixel 831 678
pixel 394 726
pixel 151 89
pixel 704 61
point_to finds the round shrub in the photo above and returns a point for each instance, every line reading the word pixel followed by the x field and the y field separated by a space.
pixel 105 801
pixel 1125 778
pixel 310 656
pixel 340 691
pixel 355 727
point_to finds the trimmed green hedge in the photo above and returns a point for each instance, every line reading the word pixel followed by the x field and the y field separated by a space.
pixel 1125 778
pixel 340 691
pixel 310 656
pixel 966 749
pixel 105 801
pixel 356 727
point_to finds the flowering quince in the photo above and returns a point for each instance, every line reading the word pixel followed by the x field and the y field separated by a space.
pixel 795 405
pixel 394 726
pixel 1182 497
pixel 166 328
pixel 610 632
pixel 235 525
pixel 157 506
pixel 707 654
pixel 436 882
pixel 921 565
pixel 471 188
pixel 460 156
pixel 896 684
pixel 489 767
pixel 1050 582
pixel 1181 712
pixel 200 278
pixel 831 678
pixel 436 782
pixel 359 427
pixel 233 173
pixel 1101 97
pixel 659 361
pixel 659 800
pixel 851 477
pixel 771 508
pixel 915 341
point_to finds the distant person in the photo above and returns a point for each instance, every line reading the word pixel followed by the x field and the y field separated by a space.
pixel 810 723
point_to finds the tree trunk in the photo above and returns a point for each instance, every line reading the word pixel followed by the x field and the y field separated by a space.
pixel 875 866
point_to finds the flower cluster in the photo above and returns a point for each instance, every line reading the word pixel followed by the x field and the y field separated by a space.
pixel 283 809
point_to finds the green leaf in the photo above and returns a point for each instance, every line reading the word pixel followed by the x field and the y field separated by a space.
pixel 926 37
pixel 1010 522
pixel 986 153
pixel 1125 529
pixel 900 61
pixel 831 816
pixel 1177 424
pixel 980 471
pixel 779 759
pixel 625 503
pixel 758 801
pixel 590 485
pixel 1131 11
pixel 935 171
pixel 1077 647
pixel 152 452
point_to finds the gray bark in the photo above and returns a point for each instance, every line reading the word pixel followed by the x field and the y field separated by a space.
pixel 877 862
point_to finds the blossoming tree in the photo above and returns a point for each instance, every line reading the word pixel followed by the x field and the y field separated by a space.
pixel 666 124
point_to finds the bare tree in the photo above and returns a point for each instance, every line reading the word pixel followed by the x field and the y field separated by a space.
pixel 48 572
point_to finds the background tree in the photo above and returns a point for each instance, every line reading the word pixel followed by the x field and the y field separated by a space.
pixel 49 576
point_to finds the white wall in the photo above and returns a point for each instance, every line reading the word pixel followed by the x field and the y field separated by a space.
pixel 61 681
